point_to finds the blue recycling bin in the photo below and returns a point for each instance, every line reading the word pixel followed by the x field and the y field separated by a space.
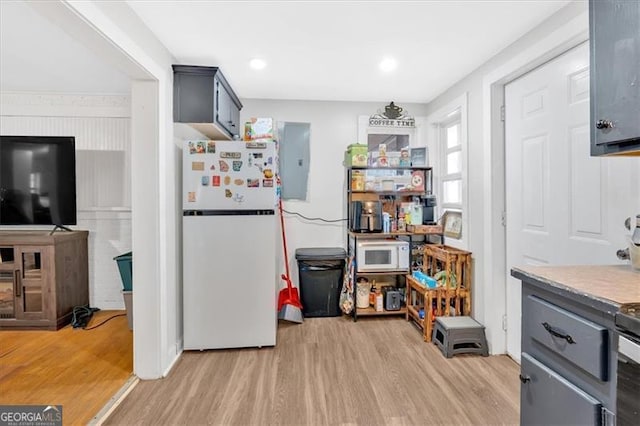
pixel 125 265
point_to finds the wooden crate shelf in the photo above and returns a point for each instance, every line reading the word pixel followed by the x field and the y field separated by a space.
pixel 416 300
pixel 448 300
pixel 457 265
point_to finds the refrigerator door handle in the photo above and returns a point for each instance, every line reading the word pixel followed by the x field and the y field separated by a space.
pixel 260 212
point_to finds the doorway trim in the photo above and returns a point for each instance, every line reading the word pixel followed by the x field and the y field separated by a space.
pixel 574 32
pixel 113 30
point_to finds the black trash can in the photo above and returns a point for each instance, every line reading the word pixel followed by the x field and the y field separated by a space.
pixel 321 270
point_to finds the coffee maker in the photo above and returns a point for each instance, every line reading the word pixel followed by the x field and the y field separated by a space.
pixel 366 216
pixel 429 210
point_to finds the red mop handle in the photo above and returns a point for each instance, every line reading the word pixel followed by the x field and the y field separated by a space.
pixel 284 238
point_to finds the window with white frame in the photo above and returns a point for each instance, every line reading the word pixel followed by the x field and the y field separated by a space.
pixel 451 164
pixel 448 139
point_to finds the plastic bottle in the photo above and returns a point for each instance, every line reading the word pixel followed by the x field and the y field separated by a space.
pixel 372 294
pixel 635 238
pixel 386 222
pixel 379 301
pixel 372 297
pixel 401 224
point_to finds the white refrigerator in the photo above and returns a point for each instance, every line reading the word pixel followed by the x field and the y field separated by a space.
pixel 230 233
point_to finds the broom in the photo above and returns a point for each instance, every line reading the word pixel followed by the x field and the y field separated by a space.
pixel 289 306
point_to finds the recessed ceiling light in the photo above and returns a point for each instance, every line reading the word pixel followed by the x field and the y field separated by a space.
pixel 257 64
pixel 388 64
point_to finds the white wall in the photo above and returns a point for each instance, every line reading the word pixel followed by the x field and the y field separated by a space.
pixel 334 125
pixel 101 126
pixel 118 35
pixel 486 164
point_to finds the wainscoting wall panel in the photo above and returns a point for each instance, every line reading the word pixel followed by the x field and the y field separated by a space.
pixel 101 126
pixel 109 236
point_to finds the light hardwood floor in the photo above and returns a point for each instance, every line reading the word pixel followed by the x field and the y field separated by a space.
pixel 330 371
pixel 78 369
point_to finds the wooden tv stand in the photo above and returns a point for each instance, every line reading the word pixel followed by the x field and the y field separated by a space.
pixel 42 277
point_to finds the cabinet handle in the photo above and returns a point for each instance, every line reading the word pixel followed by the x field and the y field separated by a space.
pixel 17 284
pixel 556 333
pixel 604 124
pixel 525 379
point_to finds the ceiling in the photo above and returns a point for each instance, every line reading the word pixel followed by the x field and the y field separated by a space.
pixel 38 56
pixel 314 50
pixel 330 50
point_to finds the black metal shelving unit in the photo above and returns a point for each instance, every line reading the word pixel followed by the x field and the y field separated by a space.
pixel 353 237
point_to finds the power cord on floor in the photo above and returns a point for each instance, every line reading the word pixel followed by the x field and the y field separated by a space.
pixel 81 315
pixel 105 321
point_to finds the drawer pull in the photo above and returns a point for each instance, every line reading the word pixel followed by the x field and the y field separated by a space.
pixel 17 283
pixel 525 379
pixel 556 333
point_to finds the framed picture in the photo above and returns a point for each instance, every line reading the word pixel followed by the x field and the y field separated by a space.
pixel 419 157
pixel 452 224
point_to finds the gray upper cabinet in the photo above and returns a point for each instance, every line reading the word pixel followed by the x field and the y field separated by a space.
pixel 614 27
pixel 228 114
pixel 203 99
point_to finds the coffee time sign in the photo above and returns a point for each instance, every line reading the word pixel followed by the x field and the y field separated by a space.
pixel 387 122
pixel 392 116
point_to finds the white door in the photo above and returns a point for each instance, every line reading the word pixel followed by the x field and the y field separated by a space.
pixel 563 206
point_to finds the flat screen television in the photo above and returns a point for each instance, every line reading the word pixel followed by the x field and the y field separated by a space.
pixel 37 180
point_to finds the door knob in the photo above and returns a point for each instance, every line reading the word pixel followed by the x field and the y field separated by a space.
pixel 524 379
pixel 604 124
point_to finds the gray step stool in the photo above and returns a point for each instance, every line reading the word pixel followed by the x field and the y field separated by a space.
pixel 459 335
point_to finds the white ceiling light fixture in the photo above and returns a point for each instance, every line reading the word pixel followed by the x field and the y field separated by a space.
pixel 257 64
pixel 388 64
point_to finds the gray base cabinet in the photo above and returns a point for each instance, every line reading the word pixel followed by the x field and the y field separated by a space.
pixel 549 399
pixel 568 359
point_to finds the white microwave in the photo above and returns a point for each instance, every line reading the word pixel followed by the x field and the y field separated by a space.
pixel 379 256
